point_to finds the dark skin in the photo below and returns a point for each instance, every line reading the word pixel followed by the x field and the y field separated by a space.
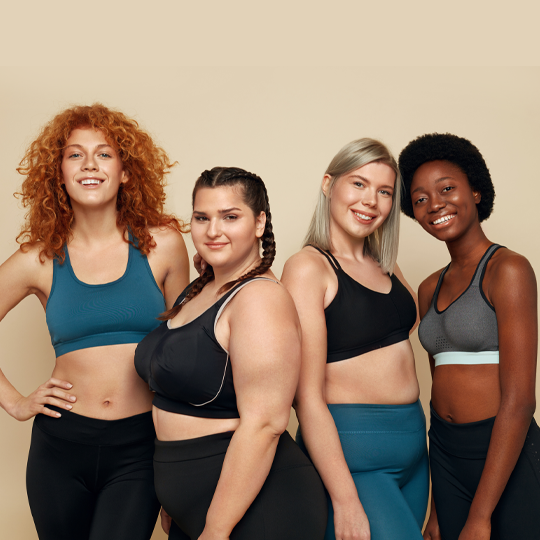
pixel 445 206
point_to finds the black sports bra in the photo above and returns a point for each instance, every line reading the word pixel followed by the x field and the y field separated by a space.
pixel 187 368
pixel 360 320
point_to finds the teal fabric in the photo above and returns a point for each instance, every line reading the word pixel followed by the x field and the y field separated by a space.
pixel 80 315
pixel 385 449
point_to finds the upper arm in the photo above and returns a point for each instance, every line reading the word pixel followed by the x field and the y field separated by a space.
pixel 264 345
pixel 399 275
pixel 512 291
pixel 169 262
pixel 22 275
pixel 306 278
pixel 425 295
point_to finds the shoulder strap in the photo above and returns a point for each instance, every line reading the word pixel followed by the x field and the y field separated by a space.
pixel 481 268
pixel 330 258
pixel 225 299
pixel 438 287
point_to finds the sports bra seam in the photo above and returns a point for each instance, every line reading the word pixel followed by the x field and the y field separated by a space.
pixel 374 342
pixel 439 285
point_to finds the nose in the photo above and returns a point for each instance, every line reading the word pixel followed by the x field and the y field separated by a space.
pixel 213 230
pixel 89 163
pixel 436 203
pixel 369 198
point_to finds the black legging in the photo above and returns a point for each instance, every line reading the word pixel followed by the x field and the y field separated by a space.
pixel 290 506
pixel 90 479
pixel 457 454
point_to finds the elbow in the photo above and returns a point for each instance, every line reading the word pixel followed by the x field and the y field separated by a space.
pixel 522 406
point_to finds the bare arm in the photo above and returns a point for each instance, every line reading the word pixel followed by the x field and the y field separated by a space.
pixel 516 308
pixel 264 347
pixel 22 275
pixel 399 275
pixel 306 276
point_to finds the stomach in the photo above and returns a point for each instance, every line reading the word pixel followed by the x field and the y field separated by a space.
pixel 105 382
pixel 179 427
pixel 466 393
pixel 383 376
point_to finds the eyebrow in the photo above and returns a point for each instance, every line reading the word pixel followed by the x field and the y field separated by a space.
pixel 225 211
pixel 79 146
pixel 369 181
pixel 420 188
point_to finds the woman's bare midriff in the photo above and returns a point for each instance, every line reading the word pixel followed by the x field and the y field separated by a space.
pixel 179 427
pixel 466 393
pixel 383 376
pixel 105 382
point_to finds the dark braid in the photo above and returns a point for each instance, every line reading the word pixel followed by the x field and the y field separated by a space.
pixel 256 197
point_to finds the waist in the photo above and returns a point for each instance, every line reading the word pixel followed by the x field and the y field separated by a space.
pixel 172 426
pixel 466 358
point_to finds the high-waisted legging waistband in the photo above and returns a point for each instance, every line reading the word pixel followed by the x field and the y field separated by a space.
pixel 374 418
pixel 94 431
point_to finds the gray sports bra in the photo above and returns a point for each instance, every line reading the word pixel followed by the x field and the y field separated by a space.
pixel 466 331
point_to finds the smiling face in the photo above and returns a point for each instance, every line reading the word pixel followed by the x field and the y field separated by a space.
pixel 443 201
pixel 360 200
pixel 224 230
pixel 92 170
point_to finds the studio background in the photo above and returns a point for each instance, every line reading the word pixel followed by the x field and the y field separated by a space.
pixel 285 124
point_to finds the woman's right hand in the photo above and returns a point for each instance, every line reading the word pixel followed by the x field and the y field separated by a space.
pixel 199 263
pixel 51 392
pixel 351 522
pixel 432 532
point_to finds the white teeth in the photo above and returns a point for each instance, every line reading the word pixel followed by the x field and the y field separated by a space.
pixel 90 182
pixel 443 219
pixel 363 216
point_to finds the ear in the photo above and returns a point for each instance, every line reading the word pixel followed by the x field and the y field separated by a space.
pixel 477 196
pixel 125 177
pixel 260 224
pixel 325 186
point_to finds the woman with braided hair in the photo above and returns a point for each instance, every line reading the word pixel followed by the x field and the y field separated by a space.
pixel 224 367
pixel 357 399
pixel 105 260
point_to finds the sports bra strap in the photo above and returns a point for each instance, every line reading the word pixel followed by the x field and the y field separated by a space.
pixel 331 259
pixel 481 268
pixel 438 287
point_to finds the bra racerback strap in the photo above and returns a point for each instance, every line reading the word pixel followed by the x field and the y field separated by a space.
pixel 438 287
pixel 481 268
pixel 331 259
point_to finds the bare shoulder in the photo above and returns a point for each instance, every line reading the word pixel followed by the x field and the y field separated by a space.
pixel 306 265
pixel 28 260
pixel 167 238
pixel 507 264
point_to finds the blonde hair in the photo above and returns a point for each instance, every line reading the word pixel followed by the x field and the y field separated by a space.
pixel 383 243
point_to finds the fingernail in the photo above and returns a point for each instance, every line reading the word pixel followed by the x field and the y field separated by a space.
pixel 58 415
pixel 72 398
pixel 70 385
pixel 68 406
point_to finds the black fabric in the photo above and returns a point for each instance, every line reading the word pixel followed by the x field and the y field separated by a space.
pixel 290 506
pixel 360 320
pixel 187 368
pixel 457 455
pixel 90 479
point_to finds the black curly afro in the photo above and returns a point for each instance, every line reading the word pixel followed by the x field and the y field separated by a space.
pixel 457 150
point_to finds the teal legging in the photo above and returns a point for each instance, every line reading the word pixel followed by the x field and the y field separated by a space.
pixel 385 449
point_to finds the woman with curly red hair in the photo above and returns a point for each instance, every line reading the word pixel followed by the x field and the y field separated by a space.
pixel 104 260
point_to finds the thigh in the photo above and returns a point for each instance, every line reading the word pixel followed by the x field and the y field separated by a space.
pixel 126 506
pixel 416 489
pixel 59 484
pixel 518 513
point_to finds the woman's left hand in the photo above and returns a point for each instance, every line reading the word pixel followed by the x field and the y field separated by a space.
pixel 476 530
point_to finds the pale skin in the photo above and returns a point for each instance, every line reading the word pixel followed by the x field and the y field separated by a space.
pixel 469 393
pixel 99 382
pixel 260 329
pixel 360 202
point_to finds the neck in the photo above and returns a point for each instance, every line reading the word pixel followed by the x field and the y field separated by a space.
pixel 469 248
pixel 345 245
pixel 95 225
pixel 223 275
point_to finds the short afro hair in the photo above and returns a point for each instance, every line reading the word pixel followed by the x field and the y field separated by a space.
pixel 456 150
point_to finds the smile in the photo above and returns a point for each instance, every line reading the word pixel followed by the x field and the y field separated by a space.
pixel 443 219
pixel 363 217
pixel 91 182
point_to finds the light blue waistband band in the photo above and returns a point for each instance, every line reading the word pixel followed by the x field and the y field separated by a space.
pixel 470 358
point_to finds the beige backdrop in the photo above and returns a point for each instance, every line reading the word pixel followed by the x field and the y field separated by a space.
pixel 285 124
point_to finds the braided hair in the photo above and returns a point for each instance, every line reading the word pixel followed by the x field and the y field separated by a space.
pixel 255 197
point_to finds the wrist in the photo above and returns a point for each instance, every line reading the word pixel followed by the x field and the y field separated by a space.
pixel 216 529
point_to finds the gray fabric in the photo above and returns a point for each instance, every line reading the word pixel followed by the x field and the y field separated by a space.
pixel 468 324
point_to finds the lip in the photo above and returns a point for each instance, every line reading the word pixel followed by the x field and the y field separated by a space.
pixel 93 178
pixel 359 219
pixel 215 245
pixel 444 223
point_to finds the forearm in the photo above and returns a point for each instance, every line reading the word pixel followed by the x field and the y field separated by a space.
pixel 508 436
pixel 8 394
pixel 245 468
pixel 322 441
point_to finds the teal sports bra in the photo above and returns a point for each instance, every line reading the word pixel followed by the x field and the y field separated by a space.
pixel 80 315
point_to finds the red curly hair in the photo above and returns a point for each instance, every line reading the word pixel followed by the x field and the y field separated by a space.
pixel 140 201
